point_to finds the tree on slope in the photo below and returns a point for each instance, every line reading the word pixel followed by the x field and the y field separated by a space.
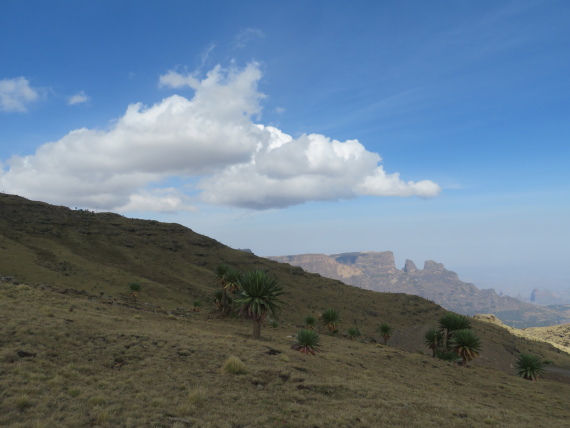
pixel 232 279
pixel 229 280
pixel 451 322
pixel 259 297
pixel 466 344
pixel 221 272
pixel 433 339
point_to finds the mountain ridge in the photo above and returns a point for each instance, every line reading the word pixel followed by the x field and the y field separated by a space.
pixel 377 271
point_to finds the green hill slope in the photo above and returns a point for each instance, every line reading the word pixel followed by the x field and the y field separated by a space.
pixel 102 360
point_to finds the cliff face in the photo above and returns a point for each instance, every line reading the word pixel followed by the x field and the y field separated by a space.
pixel 377 271
pixel 324 265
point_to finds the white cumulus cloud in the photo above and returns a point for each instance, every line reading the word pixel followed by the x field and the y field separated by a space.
pixel 285 171
pixel 173 79
pixel 16 94
pixel 78 98
pixel 210 139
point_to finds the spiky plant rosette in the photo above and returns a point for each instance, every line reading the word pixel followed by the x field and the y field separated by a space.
pixel 310 322
pixel 135 287
pixel 466 344
pixel 221 272
pixel 353 333
pixel 433 338
pixel 308 342
pixel 331 320
pixel 385 330
pixel 232 279
pixel 453 322
pixel 445 355
pixel 530 367
pixel 259 295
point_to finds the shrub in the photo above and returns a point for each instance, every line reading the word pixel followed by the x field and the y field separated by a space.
pixel 310 322
pixel 308 342
pixel 331 320
pixel 234 365
pixel 135 289
pixel 223 306
pixel 221 272
pixel 530 367
pixel 353 333
pixel 386 331
pixel 445 355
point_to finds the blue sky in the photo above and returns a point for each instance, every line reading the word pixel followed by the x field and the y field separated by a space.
pixel 282 126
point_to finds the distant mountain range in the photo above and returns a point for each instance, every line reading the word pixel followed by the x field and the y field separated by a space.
pixel 377 271
pixel 547 297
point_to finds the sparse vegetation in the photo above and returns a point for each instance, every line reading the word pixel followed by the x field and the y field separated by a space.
pixel 308 342
pixel 110 363
pixel 530 367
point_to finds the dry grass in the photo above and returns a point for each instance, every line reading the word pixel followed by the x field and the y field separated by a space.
pixel 556 335
pixel 77 351
pixel 99 366
pixel 234 365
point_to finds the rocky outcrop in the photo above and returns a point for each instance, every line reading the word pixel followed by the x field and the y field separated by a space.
pixel 325 265
pixel 377 271
pixel 547 297
pixel 410 267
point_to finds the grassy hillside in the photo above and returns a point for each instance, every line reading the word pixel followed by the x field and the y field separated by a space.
pixel 557 335
pixel 111 365
pixel 75 350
